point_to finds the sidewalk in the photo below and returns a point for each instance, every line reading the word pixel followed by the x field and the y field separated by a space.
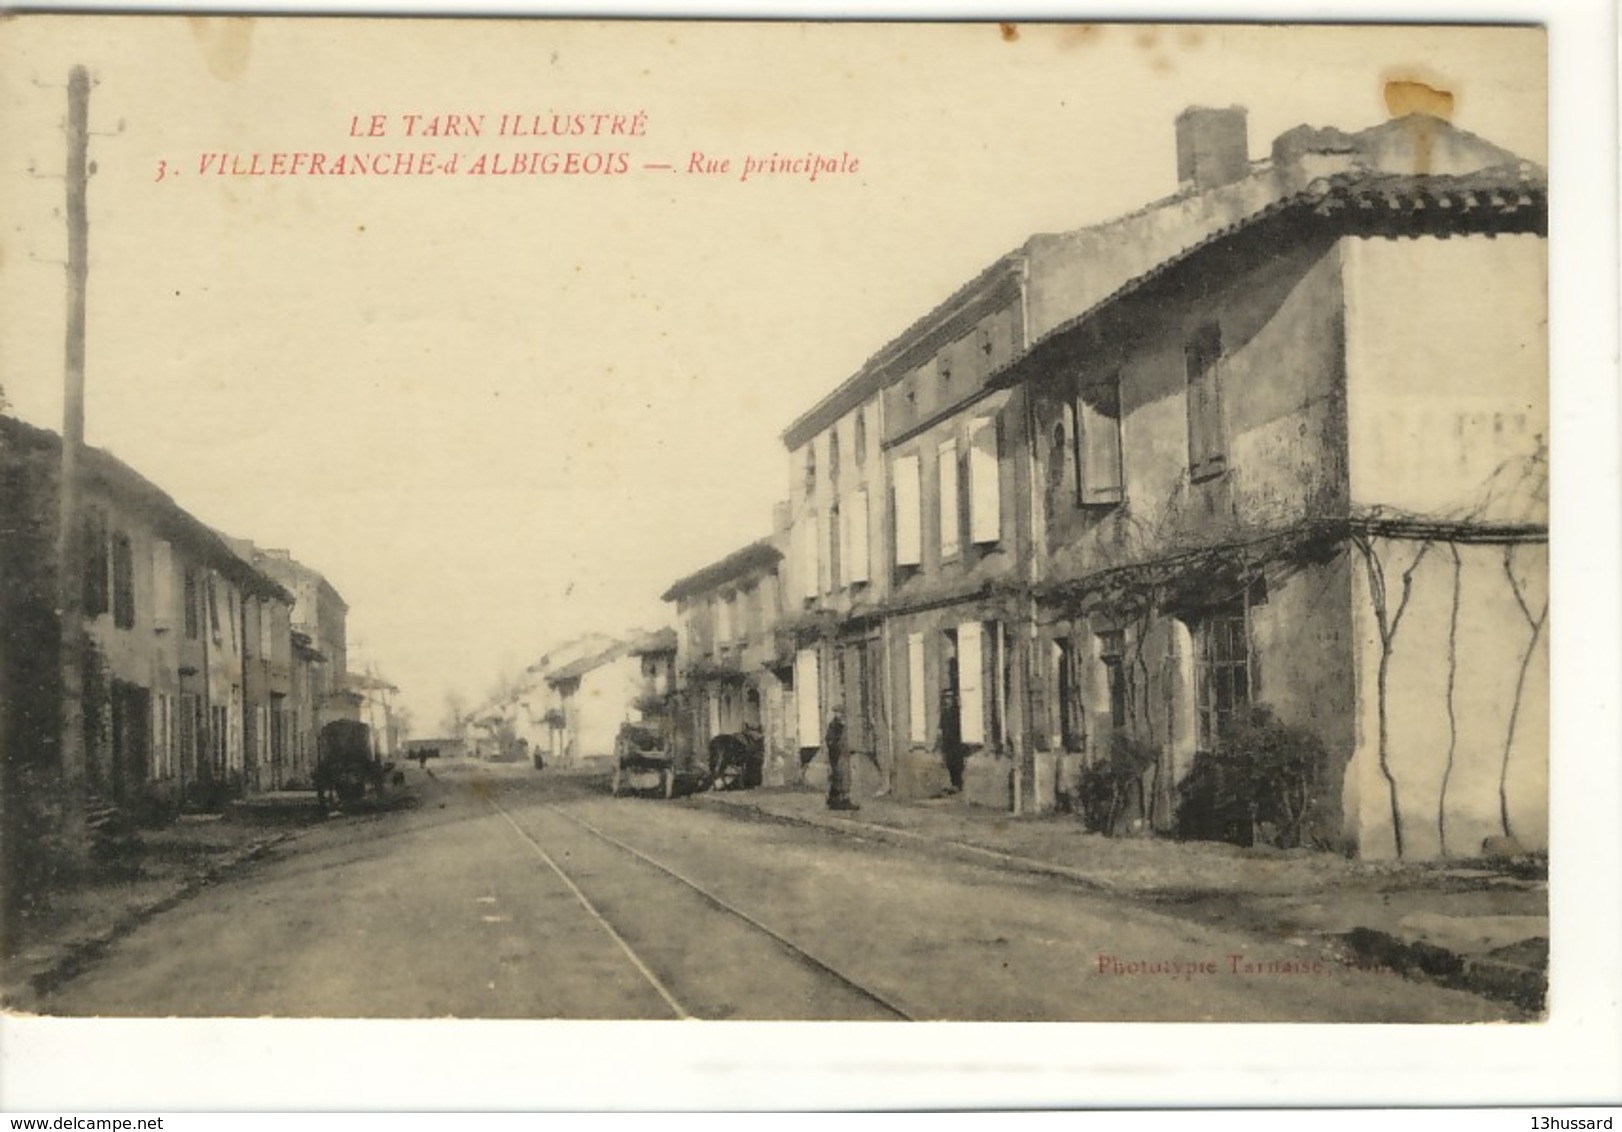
pixel 1479 926
pixel 61 935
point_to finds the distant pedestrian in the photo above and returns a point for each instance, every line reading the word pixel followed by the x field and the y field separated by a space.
pixel 838 764
pixel 422 757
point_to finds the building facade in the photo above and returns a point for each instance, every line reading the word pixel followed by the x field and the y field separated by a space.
pixel 1256 455
pixel 179 661
pixel 1267 479
pixel 735 672
pixel 837 578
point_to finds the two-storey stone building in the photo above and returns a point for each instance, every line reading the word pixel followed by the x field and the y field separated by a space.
pixel 1277 439
pixel 733 671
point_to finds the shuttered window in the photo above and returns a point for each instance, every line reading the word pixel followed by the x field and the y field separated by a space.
pixel 985 492
pixel 908 518
pixel 163 585
pixel 723 620
pixel 1098 440
pixel 805 557
pixel 1207 440
pixel 808 709
pixel 191 599
pixel 123 582
pixel 96 600
pixel 836 535
pixel 950 514
pixel 856 538
pixel 917 720
pixel 970 681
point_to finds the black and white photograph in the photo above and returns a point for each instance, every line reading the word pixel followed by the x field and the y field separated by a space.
pixel 653 520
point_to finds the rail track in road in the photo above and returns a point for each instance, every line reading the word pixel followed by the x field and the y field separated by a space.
pixel 679 970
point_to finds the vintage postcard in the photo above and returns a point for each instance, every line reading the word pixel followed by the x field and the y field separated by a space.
pixel 632 521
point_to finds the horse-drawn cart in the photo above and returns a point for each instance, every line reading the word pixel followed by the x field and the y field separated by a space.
pixel 645 759
pixel 345 765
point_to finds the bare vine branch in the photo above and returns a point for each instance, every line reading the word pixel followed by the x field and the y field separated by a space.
pixel 1520 684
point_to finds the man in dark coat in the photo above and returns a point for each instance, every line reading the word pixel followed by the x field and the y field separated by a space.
pixel 838 764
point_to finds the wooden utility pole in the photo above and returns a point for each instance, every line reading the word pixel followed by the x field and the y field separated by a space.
pixel 70 540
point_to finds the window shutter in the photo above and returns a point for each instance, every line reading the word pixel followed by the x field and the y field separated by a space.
pixel 824 562
pixel 970 674
pixel 805 561
pixel 1206 440
pixel 908 517
pixel 163 584
pixel 808 708
pixel 985 492
pixel 856 541
pixel 917 717
pixel 950 515
pixel 837 522
pixel 1100 437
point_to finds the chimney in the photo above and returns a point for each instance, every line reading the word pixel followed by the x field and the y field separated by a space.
pixel 1212 147
pixel 1305 154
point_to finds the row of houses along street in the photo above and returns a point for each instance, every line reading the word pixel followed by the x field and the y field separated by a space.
pixel 206 668
pixel 1262 462
pixel 1274 441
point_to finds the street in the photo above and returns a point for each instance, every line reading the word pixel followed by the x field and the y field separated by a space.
pixel 509 893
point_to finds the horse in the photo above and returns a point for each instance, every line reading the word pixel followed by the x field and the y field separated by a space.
pixel 737 760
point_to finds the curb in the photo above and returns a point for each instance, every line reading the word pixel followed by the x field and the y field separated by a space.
pixel 873 831
pixel 1498 979
pixel 1495 978
pixel 80 953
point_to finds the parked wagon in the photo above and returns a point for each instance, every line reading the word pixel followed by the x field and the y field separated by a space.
pixel 645 758
pixel 346 766
pixel 643 753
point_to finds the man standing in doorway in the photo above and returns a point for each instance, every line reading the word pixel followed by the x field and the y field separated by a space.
pixel 952 751
pixel 838 763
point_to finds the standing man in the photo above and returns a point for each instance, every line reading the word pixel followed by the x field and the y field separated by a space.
pixel 838 763
pixel 952 734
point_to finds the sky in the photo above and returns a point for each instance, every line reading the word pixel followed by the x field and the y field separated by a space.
pixel 501 411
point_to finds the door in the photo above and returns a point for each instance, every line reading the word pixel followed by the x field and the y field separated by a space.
pixel 132 723
pixel 951 717
pixel 853 693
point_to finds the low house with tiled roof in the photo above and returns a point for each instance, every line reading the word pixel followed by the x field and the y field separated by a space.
pixel 175 625
pixel 590 697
